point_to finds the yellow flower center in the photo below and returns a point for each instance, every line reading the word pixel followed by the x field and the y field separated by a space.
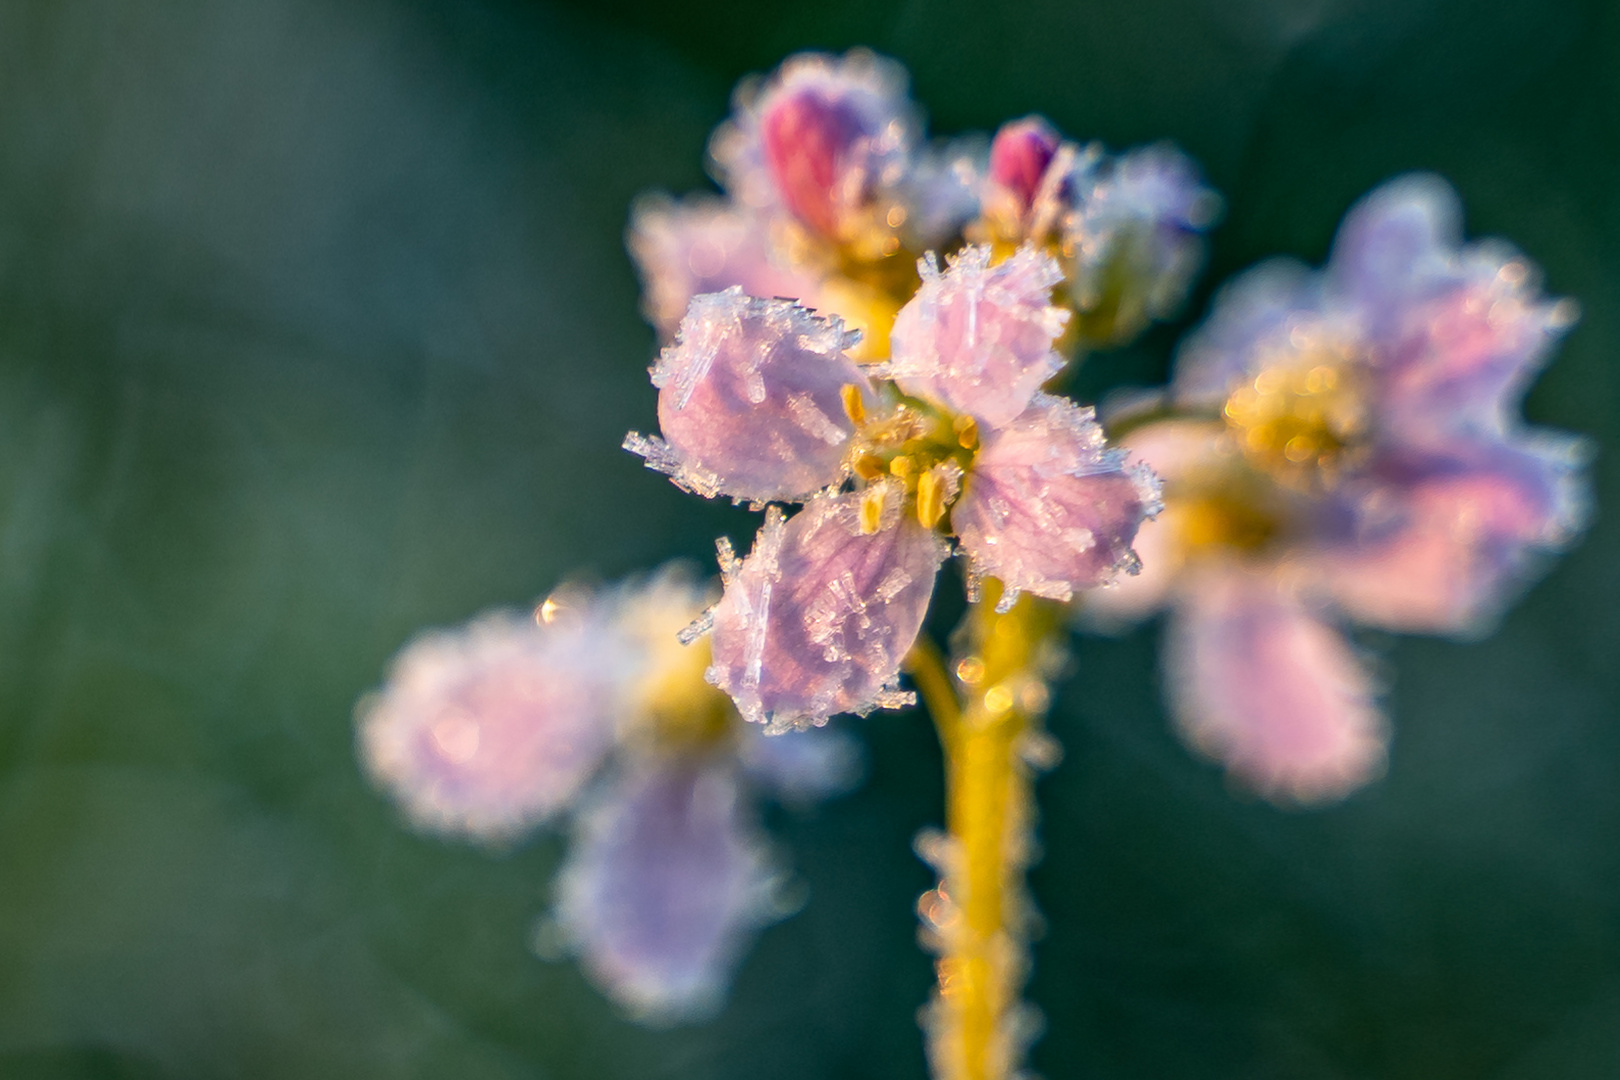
pixel 1303 418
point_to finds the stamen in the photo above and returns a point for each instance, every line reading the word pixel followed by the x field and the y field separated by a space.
pixel 854 406
pixel 967 431
pixel 872 511
pixel 930 500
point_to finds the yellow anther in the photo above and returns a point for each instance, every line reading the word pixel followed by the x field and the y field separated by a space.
pixel 854 403
pixel 872 511
pixel 901 466
pixel 967 431
pixel 930 500
pixel 868 467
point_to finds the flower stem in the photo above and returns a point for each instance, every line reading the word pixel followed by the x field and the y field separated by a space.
pixel 978 918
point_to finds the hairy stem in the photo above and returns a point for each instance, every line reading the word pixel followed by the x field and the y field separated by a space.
pixel 978 918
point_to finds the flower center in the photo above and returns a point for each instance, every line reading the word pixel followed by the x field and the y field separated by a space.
pixel 1303 418
pixel 926 449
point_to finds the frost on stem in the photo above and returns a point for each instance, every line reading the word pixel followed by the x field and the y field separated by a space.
pixel 818 618
pixel 751 399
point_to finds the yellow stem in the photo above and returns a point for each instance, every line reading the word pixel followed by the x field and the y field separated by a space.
pixel 979 915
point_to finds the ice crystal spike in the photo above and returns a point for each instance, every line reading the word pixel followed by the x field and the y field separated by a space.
pixel 1263 685
pixel 666 879
pixel 1138 241
pixel 978 338
pixel 819 141
pixel 1050 509
pixel 751 399
pixel 820 615
pixel 488 731
pixel 1368 465
pixel 701 245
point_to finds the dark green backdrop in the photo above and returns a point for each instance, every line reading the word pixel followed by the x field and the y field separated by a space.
pixel 316 327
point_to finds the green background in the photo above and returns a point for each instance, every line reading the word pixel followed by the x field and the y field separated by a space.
pixel 316 327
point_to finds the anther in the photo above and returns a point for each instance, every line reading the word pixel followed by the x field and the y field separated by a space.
pixel 872 511
pixel 854 405
pixel 967 431
pixel 930 504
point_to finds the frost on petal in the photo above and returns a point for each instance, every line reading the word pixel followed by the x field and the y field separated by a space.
pixel 1138 240
pixel 1261 684
pixel 1398 245
pixel 1049 508
pixel 818 618
pixel 701 245
pixel 819 139
pixel 978 338
pixel 488 731
pixel 801 767
pixel 665 881
pixel 1447 553
pixel 750 399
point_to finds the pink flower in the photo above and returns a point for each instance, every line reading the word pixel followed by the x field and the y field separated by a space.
pixel 1362 461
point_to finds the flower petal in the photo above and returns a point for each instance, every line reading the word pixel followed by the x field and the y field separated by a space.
pixel 1049 508
pixel 488 731
pixel 1259 683
pixel 701 245
pixel 750 399
pixel 818 618
pixel 978 338
pixel 1251 318
pixel 666 879
pixel 1397 246
pixel 801 766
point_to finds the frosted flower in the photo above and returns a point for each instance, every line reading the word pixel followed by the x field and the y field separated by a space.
pixel 819 617
pixel 1050 508
pixel 1362 461
pixel 666 878
pixel 824 141
pixel 490 731
pixel 751 399
pixel 702 245
pixel 592 707
pixel 1137 240
pixel 978 338
pixel 1034 183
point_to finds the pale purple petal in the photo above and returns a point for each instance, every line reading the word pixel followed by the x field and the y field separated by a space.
pixel 666 879
pixel 750 399
pixel 702 245
pixel 1397 246
pixel 819 139
pixel 488 731
pixel 818 618
pixel 1138 239
pixel 977 338
pixel 800 767
pixel 1445 553
pixel 1258 682
pixel 1049 508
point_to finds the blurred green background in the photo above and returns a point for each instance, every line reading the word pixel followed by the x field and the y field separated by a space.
pixel 316 327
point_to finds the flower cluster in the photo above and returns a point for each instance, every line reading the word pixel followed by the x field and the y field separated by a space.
pixel 1343 445
pixel 590 707
pixel 822 355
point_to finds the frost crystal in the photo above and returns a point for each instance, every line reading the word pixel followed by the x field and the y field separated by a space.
pixel 978 338
pixel 818 618
pixel 751 399
pixel 1050 509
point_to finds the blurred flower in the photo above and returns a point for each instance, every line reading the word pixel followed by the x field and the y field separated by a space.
pixel 592 707
pixel 1345 446
pixel 819 617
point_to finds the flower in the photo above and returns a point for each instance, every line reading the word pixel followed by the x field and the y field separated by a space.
pixel 819 617
pixel 1344 447
pixel 592 708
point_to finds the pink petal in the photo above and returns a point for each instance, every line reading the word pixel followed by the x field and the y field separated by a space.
pixel 702 245
pixel 665 881
pixel 1049 508
pixel 1259 683
pixel 1019 157
pixel 488 731
pixel 978 338
pixel 750 399
pixel 818 618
